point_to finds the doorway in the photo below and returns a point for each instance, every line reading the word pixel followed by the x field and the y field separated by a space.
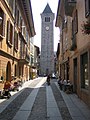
pixel 8 72
pixel 75 75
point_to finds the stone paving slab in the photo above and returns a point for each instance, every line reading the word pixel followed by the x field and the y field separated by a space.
pixel 53 112
pixel 62 108
pixel 22 115
pixel 38 111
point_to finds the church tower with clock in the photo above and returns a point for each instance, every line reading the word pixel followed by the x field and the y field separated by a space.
pixel 47 42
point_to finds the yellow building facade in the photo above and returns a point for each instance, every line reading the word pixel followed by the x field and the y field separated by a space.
pixel 16 30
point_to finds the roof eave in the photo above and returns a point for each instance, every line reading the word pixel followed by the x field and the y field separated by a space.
pixel 26 9
pixel 59 15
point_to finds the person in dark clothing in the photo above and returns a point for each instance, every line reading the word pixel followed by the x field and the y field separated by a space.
pixel 48 79
pixel 60 82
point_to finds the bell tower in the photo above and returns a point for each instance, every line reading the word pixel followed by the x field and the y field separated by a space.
pixel 47 41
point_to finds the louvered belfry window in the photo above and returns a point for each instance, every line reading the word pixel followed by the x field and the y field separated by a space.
pixel 47 19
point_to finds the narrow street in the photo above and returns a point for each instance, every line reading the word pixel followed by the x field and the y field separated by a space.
pixel 38 101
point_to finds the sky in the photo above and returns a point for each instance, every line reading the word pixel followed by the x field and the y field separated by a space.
pixel 37 8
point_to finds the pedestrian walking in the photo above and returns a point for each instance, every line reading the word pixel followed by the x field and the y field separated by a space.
pixel 48 79
pixel 60 82
pixel 64 84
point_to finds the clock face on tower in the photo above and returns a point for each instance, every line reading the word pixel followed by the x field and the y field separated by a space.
pixel 47 27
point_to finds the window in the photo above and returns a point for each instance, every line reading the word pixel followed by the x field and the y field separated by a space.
pixel 16 15
pixel 20 23
pixel 87 8
pixel 31 60
pixel 75 23
pixel 9 37
pixel 64 23
pixel 8 27
pixel 16 41
pixel 74 30
pixel 47 19
pixel 2 24
pixel 11 4
pixel 11 33
pixel 17 18
pixel 15 12
pixel 15 74
pixel 22 50
pixel 84 71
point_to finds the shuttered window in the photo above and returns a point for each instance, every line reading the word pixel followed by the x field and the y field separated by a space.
pixel 74 30
pixel 16 15
pixel 75 23
pixel 11 33
pixel 8 27
pixel 2 24
pixel 9 37
pixel 87 8
pixel 15 41
pixel 84 71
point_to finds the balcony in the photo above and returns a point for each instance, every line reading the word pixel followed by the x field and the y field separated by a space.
pixel 69 7
pixel 24 60
pixel 22 37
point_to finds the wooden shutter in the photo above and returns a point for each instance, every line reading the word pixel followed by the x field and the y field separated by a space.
pixel 11 33
pixel 8 35
pixel 4 24
pixel 87 8
pixel 1 25
pixel 16 41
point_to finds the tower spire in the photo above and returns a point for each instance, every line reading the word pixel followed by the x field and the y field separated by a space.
pixel 47 9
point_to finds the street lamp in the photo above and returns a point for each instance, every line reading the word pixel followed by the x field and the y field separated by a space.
pixel 0 20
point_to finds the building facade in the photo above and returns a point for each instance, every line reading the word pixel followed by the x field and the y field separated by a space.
pixel 47 42
pixel 74 55
pixel 37 59
pixel 15 34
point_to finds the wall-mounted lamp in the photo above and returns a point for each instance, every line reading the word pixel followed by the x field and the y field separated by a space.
pixel 0 20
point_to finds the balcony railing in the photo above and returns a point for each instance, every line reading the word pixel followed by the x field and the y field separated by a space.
pixel 69 7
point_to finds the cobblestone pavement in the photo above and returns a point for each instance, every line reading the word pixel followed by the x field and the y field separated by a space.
pixel 61 104
pixel 38 110
pixel 14 106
